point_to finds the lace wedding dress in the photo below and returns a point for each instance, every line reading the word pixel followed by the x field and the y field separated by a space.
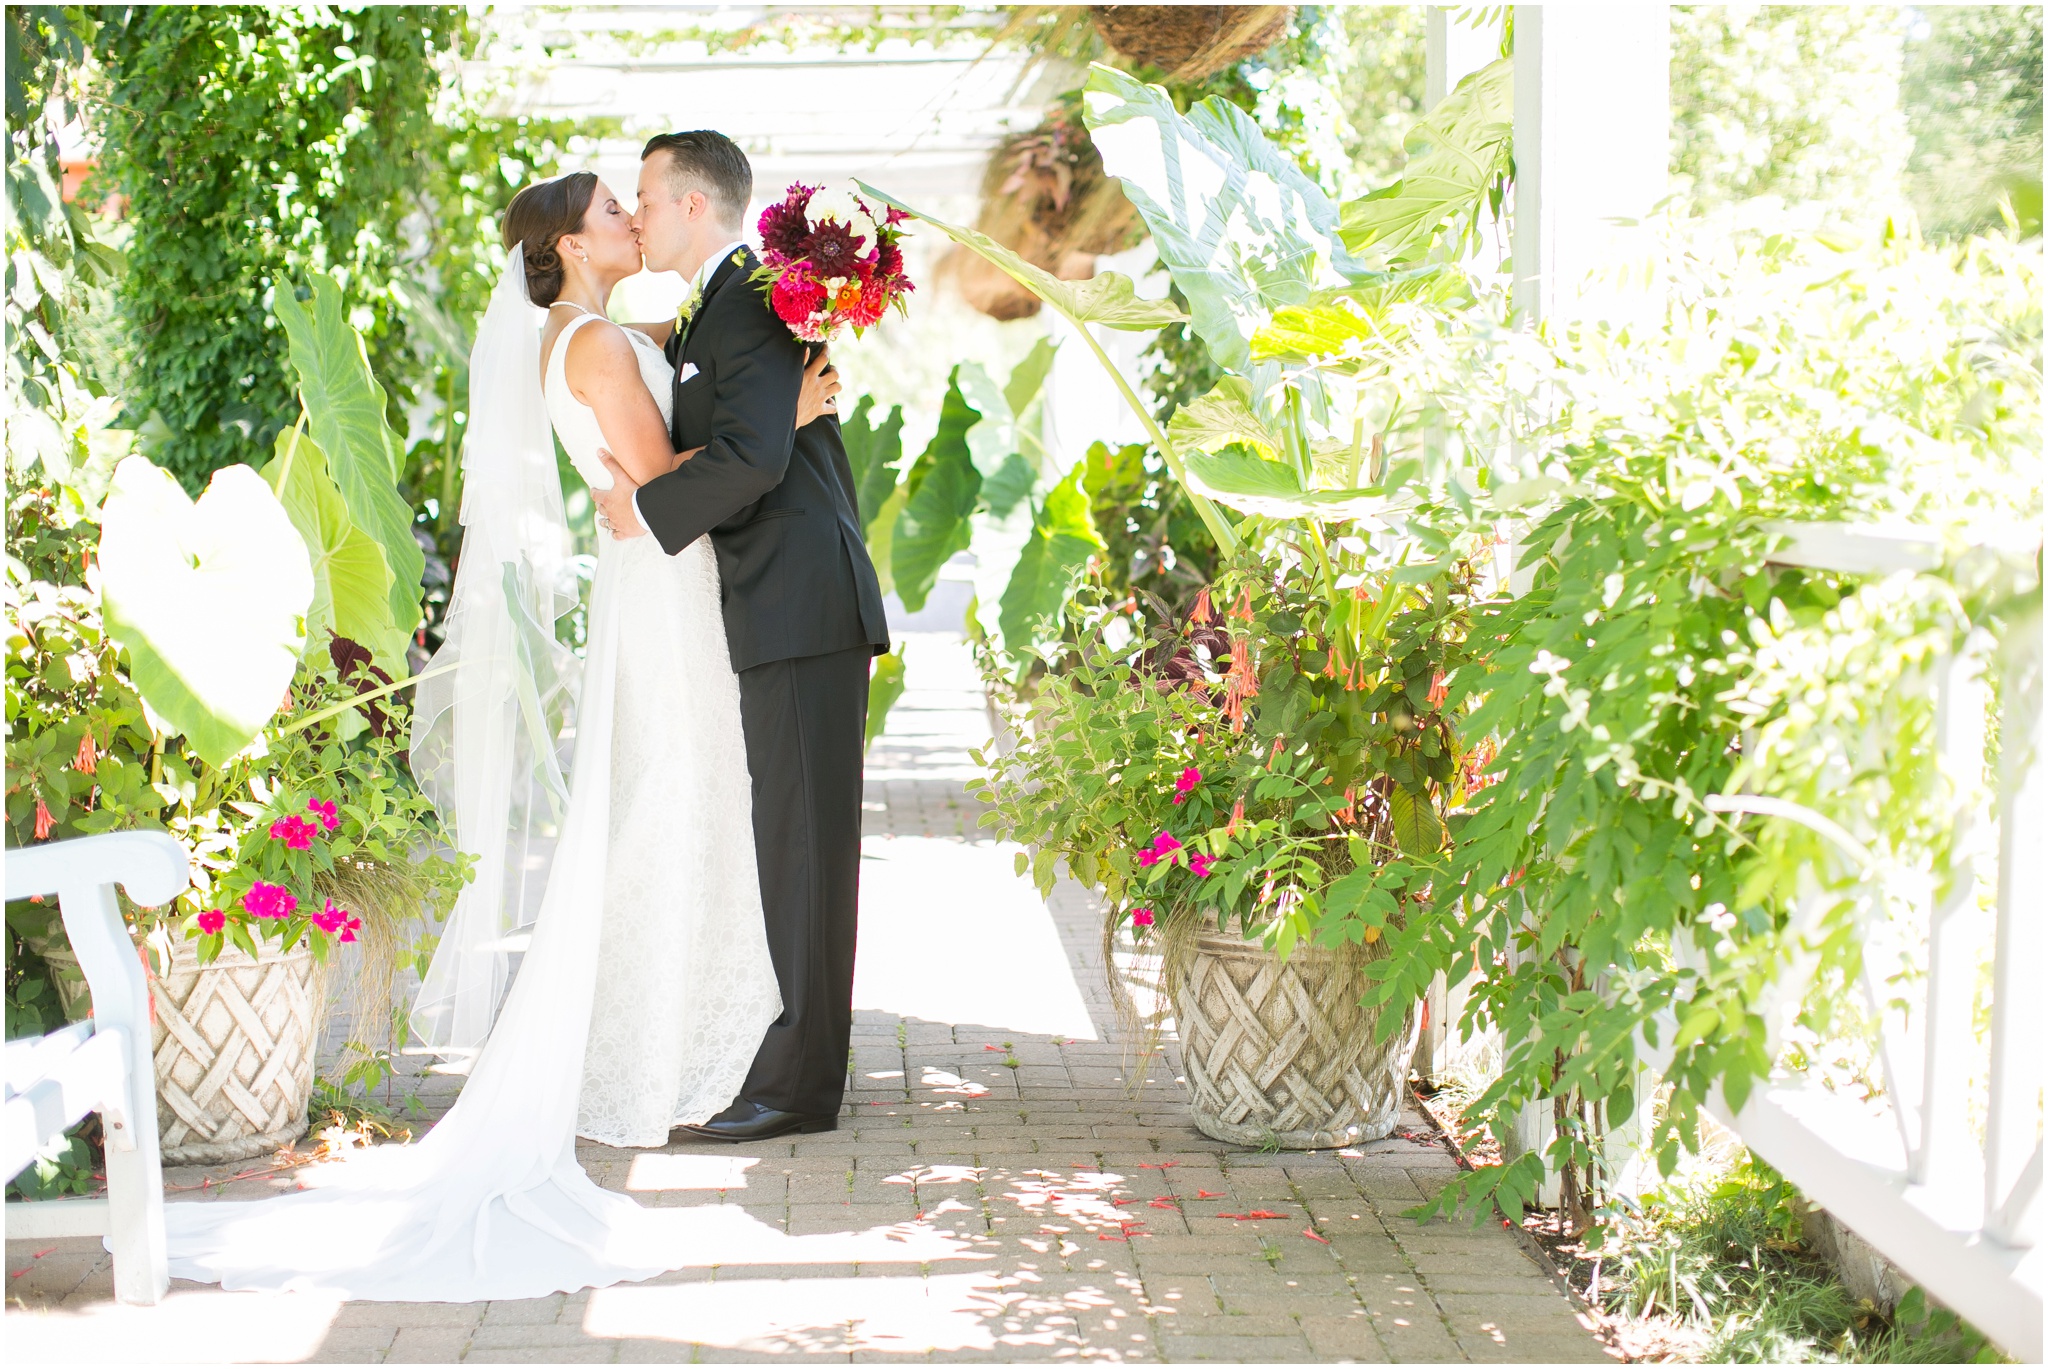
pixel 646 984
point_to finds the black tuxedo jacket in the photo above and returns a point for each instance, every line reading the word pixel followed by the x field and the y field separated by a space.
pixel 778 504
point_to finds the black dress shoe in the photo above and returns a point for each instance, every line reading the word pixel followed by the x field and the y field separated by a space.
pixel 745 1121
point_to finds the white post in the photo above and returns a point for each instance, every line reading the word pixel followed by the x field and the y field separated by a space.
pixel 1453 48
pixel 1592 147
pixel 2012 1131
pixel 1592 157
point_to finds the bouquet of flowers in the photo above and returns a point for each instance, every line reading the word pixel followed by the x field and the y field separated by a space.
pixel 815 274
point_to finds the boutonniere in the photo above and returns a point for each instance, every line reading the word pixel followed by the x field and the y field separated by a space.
pixel 689 305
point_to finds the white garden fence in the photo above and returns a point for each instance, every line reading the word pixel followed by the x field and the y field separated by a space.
pixel 1959 1218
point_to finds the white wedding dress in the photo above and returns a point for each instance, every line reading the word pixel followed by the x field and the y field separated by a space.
pixel 646 984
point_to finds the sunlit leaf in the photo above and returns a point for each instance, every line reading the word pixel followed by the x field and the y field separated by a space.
pixel 1359 322
pixel 885 687
pixel 876 453
pixel 1454 155
pixel 1063 537
pixel 1240 226
pixel 208 599
pixel 351 583
pixel 1221 418
pixel 345 412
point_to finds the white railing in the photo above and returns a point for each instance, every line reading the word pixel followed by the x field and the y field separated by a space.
pixel 101 1065
pixel 1959 1219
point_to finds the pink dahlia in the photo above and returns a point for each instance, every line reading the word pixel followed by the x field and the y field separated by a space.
pixel 797 295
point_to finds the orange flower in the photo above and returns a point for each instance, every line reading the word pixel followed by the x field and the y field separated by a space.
pixel 88 758
pixel 1439 690
pixel 1349 812
pixel 1236 818
pixel 1203 612
pixel 45 824
pixel 1242 609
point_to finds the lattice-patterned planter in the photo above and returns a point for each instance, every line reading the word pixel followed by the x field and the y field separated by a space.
pixel 1282 1054
pixel 234 1045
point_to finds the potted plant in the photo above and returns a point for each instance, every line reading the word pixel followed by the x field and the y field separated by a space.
pixel 1260 791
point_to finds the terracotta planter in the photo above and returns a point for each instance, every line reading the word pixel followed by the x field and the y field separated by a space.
pixel 1281 1054
pixel 233 1043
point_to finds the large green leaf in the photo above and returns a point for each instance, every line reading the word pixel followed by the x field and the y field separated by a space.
pixel 1063 537
pixel 1360 323
pixel 875 453
pixel 1029 376
pixel 1241 227
pixel 1416 829
pixel 345 413
pixel 208 599
pixel 1454 156
pixel 994 439
pixel 351 583
pixel 1106 298
pixel 1220 418
pixel 1242 479
pixel 881 539
pixel 885 687
pixel 943 487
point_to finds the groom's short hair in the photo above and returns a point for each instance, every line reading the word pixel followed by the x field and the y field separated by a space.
pixel 705 160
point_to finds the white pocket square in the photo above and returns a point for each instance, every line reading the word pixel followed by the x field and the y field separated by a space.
pixel 689 369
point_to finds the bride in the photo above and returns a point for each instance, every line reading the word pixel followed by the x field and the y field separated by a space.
pixel 631 887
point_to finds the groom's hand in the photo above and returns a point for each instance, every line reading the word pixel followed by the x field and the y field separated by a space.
pixel 615 513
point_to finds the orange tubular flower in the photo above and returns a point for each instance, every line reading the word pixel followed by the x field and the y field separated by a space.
pixel 45 824
pixel 1242 609
pixel 1203 612
pixel 1236 818
pixel 88 758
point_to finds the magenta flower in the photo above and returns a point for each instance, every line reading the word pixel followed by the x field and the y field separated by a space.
pixel 1185 785
pixel 1199 864
pixel 294 832
pixel 1162 846
pixel 1141 917
pixel 211 921
pixel 330 919
pixel 325 812
pixel 269 900
pixel 348 931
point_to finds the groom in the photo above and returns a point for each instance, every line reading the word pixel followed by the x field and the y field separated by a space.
pixel 803 610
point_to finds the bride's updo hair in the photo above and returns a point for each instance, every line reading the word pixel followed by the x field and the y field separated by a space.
pixel 538 216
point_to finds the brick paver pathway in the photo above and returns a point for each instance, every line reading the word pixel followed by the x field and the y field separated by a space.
pixel 996 1191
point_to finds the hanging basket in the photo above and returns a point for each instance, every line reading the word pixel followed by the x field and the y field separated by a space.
pixel 1045 197
pixel 1189 42
pixel 1281 1054
pixel 234 1043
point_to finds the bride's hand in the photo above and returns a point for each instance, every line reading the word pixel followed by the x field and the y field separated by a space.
pixel 821 388
pixel 615 513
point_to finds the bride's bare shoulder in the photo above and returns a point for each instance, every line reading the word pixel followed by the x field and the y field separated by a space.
pixel 597 351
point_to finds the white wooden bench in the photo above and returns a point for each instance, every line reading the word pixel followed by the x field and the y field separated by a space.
pixel 101 1065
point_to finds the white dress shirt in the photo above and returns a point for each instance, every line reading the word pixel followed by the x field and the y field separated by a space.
pixel 699 283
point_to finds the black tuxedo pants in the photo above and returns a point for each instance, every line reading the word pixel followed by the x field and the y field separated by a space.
pixel 804 719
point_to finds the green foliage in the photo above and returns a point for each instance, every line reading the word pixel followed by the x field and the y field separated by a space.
pixel 1972 96
pixel 1658 660
pixel 1238 224
pixel 1459 157
pixel 254 143
pixel 351 582
pixel 874 453
pixel 207 599
pixel 1796 101
pixel 1154 541
pixel 941 490
pixel 1063 540
pixel 885 687
pixel 1723 1259
pixel 345 412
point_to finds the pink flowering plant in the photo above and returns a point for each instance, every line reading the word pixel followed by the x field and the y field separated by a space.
pixel 820 275
pixel 328 830
pixel 1270 763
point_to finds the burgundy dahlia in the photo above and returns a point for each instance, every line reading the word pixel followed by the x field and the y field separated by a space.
pixel 833 249
pixel 888 260
pixel 784 226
